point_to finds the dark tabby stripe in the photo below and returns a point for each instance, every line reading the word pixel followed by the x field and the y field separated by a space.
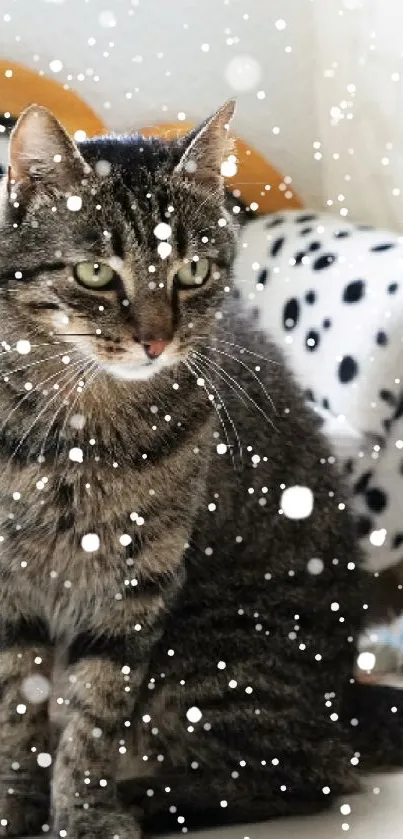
pixel 30 274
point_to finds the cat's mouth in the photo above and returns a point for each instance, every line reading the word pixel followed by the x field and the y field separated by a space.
pixel 134 371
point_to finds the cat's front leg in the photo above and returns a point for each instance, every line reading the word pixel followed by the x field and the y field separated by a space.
pixel 25 670
pixel 105 674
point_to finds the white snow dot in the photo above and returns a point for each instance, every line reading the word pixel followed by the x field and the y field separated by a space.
pixel 315 566
pixel 212 507
pixel 76 455
pixel 96 733
pixel 194 714
pixel 229 167
pixel 107 19
pixel 222 448
pixel 297 502
pixel 125 539
pixel 35 688
pixel 366 661
pixel 56 65
pixel 102 168
pixel 205 47
pixel 164 250
pixel 232 684
pixel 90 542
pixel 243 72
pixel 21 709
pixel 335 607
pixel 280 24
pixel 326 790
pixel 223 803
pixel 23 347
pixel 163 230
pixel 345 809
pixel 221 665
pixel 44 760
pixel 74 203
pixel 77 421
pixel 377 537
pixel 255 458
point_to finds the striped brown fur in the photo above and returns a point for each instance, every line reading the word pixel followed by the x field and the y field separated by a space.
pixel 209 603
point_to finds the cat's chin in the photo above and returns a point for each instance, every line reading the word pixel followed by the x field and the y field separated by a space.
pixel 134 372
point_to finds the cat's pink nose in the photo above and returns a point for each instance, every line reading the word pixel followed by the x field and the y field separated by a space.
pixel 153 349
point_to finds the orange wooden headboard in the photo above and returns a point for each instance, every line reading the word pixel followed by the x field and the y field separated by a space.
pixel 256 180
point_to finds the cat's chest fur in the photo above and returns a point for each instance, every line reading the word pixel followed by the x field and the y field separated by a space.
pixel 75 534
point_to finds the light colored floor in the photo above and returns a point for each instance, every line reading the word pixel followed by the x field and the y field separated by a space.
pixel 374 815
pixel 377 813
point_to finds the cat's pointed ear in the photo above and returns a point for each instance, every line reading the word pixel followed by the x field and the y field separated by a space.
pixel 42 153
pixel 207 148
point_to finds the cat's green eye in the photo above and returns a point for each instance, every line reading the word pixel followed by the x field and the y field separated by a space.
pixel 193 273
pixel 93 274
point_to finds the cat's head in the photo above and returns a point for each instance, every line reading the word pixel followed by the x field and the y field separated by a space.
pixel 121 246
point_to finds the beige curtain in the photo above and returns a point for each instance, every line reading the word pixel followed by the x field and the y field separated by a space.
pixel 359 96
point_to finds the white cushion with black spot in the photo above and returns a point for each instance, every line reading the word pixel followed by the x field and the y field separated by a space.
pixel 331 294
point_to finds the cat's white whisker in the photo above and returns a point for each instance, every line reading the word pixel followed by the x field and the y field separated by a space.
pixel 200 368
pixel 252 372
pixel 197 373
pixel 49 402
pixel 233 384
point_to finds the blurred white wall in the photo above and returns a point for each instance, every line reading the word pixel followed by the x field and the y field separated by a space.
pixel 359 95
pixel 173 56
pixel 324 80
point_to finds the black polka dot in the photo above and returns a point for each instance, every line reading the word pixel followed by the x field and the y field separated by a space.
pixel 386 424
pixel 324 261
pixel 381 338
pixel 397 540
pixel 387 396
pixel 341 234
pixel 392 288
pixel 310 297
pixel 306 217
pixel 348 369
pixel 349 466
pixel 306 231
pixel 299 257
pixel 274 222
pixel 277 245
pixel 363 481
pixel 326 404
pixel 312 340
pixel 262 276
pixel 291 313
pixel 309 395
pixel 314 246
pixel 354 291
pixel 236 293
pixel 376 499
pixel 363 525
pixel 385 247
pixel 327 323
pixel 399 409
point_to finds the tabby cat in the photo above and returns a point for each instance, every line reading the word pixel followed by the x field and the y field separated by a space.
pixel 171 516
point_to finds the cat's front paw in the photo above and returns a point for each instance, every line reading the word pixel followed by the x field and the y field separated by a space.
pixel 99 825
